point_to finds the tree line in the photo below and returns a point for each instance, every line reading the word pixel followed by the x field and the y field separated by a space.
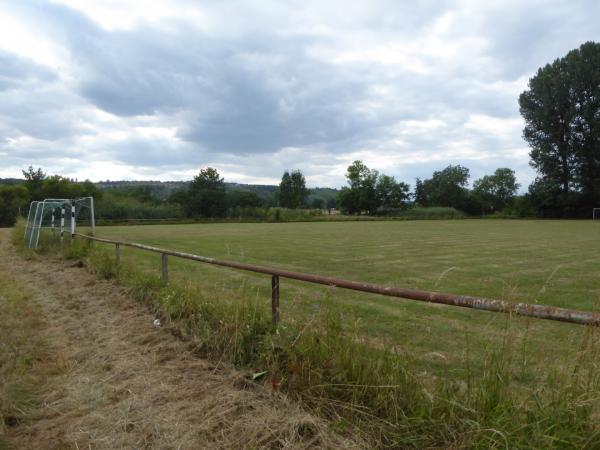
pixel 369 192
pixel 15 197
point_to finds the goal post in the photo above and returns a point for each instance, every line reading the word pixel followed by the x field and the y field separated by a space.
pixel 596 214
pixel 32 207
pixel 42 214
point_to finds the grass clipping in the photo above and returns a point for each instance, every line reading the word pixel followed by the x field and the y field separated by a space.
pixel 325 362
pixel 22 353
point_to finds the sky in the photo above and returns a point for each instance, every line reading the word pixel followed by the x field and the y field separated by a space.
pixel 156 90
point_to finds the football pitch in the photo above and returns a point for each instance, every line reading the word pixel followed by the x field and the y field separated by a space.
pixel 549 262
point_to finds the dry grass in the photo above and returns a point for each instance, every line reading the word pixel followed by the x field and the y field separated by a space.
pixel 25 359
pixel 124 383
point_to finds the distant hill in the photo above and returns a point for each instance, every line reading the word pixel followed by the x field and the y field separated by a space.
pixel 11 180
pixel 162 189
pixel 265 192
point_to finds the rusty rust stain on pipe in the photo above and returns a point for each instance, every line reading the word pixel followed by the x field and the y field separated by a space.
pixel 464 301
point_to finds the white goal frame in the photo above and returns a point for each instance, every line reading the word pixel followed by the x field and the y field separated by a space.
pixel 42 214
pixel 596 214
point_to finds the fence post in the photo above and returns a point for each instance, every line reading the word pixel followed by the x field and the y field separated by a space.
pixel 275 298
pixel 165 269
pixel 72 221
pixel 117 257
pixel 62 223
pixel 92 218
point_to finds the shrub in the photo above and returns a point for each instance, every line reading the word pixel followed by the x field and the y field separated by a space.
pixel 433 212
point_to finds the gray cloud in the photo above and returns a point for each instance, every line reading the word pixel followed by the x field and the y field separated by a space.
pixel 16 72
pixel 258 88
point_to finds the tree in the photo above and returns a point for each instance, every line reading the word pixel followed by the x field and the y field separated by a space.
pixel 284 193
pixel 11 199
pixel 243 199
pixel 317 203
pixel 292 192
pixel 361 195
pixel 370 192
pixel 496 192
pixel 299 191
pixel 33 182
pixel 562 124
pixel 206 195
pixel 420 197
pixel 390 193
pixel 57 186
pixel 547 199
pixel 348 200
pixel 446 187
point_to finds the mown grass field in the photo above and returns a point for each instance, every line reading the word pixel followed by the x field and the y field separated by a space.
pixel 551 262
pixel 408 374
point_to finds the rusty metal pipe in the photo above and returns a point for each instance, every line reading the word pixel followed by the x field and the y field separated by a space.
pixel 464 301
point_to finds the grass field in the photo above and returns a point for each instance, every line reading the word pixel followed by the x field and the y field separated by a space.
pixel 483 368
pixel 551 262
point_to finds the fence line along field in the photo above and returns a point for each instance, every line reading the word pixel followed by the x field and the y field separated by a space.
pixel 551 262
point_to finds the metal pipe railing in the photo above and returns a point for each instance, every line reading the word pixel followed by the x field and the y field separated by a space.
pixel 522 309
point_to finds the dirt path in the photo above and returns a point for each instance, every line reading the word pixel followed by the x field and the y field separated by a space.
pixel 124 383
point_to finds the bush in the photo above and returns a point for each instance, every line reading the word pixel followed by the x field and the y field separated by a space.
pixel 117 207
pixel 433 212
pixel 245 212
pixel 274 214
pixel 292 215
pixel 11 199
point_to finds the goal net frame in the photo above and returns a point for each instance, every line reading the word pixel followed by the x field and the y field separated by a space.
pixel 44 214
pixel 596 214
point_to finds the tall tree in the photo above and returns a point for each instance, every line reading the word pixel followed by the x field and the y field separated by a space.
pixel 284 193
pixel 361 195
pixel 292 192
pixel 299 191
pixel 391 194
pixel 562 124
pixel 447 187
pixel 370 192
pixel 206 195
pixel 420 197
pixel 33 182
pixel 497 191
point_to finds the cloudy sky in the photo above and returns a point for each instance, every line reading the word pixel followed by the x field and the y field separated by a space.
pixel 137 89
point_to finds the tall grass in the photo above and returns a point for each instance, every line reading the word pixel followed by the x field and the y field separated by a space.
pixel 326 362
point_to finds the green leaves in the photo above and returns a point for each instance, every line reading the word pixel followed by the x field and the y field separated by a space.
pixel 206 196
pixel 561 109
pixel 371 192
pixel 446 187
pixel 496 191
pixel 292 191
